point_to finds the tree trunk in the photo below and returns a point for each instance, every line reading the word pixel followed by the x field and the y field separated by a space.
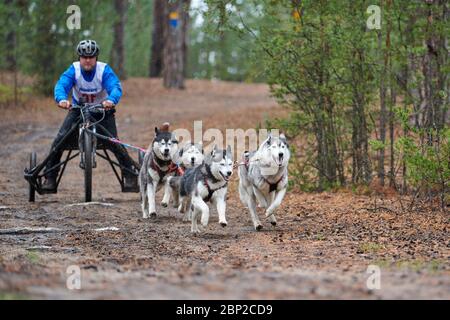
pixel 393 100
pixel 174 43
pixel 10 41
pixel 185 35
pixel 381 152
pixel 386 73
pixel 431 71
pixel 156 58
pixel 118 48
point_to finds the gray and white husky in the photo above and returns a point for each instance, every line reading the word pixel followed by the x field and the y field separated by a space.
pixel 206 183
pixel 157 167
pixel 190 155
pixel 264 178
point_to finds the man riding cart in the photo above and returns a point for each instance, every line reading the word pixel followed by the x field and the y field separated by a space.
pixel 92 83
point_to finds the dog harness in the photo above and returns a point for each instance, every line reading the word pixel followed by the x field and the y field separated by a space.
pixel 272 186
pixel 173 167
pixel 208 187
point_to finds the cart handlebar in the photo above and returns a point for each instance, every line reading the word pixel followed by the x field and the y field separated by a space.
pixel 88 107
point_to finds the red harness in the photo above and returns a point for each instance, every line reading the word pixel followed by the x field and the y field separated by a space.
pixel 173 167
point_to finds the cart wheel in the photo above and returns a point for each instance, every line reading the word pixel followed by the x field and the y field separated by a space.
pixel 87 146
pixel 141 156
pixel 32 190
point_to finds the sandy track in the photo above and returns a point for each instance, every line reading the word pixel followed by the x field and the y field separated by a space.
pixel 320 249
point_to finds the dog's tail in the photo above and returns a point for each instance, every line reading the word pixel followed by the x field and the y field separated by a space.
pixel 142 180
pixel 243 194
pixel 243 178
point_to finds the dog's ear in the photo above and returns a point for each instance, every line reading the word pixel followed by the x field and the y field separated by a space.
pixel 174 138
pixel 165 127
pixel 156 131
pixel 283 138
pixel 229 152
pixel 214 152
pixel 269 139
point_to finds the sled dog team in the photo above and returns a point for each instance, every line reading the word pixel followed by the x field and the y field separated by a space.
pixel 198 179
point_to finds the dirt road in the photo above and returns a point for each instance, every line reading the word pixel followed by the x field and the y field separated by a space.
pixel 321 248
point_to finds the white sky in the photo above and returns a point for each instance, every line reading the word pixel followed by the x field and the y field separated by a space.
pixel 198 5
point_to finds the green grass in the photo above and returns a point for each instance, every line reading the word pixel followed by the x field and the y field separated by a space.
pixel 12 296
pixel 320 237
pixel 33 257
pixel 416 265
pixel 370 247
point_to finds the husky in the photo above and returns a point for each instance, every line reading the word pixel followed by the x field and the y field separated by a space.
pixel 191 155
pixel 263 178
pixel 157 167
pixel 207 182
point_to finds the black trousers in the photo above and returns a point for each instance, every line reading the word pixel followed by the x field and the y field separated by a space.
pixel 109 123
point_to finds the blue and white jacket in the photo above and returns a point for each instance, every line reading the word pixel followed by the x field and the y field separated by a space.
pixel 95 86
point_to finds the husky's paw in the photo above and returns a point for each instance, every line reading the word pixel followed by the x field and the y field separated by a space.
pixel 145 215
pixel 153 215
pixel 258 227
pixel 195 230
pixel 273 220
pixel 164 204
pixel 187 217
pixel 204 221
pixel 223 223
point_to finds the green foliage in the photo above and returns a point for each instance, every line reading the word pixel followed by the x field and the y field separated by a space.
pixel 377 145
pixel 219 47
pixel 326 67
pixel 138 31
pixel 46 47
pixel 7 94
pixel 427 165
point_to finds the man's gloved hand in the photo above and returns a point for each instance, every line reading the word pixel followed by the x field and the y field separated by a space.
pixel 64 104
pixel 108 105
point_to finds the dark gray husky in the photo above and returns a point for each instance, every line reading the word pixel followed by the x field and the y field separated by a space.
pixel 207 182
pixel 157 167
